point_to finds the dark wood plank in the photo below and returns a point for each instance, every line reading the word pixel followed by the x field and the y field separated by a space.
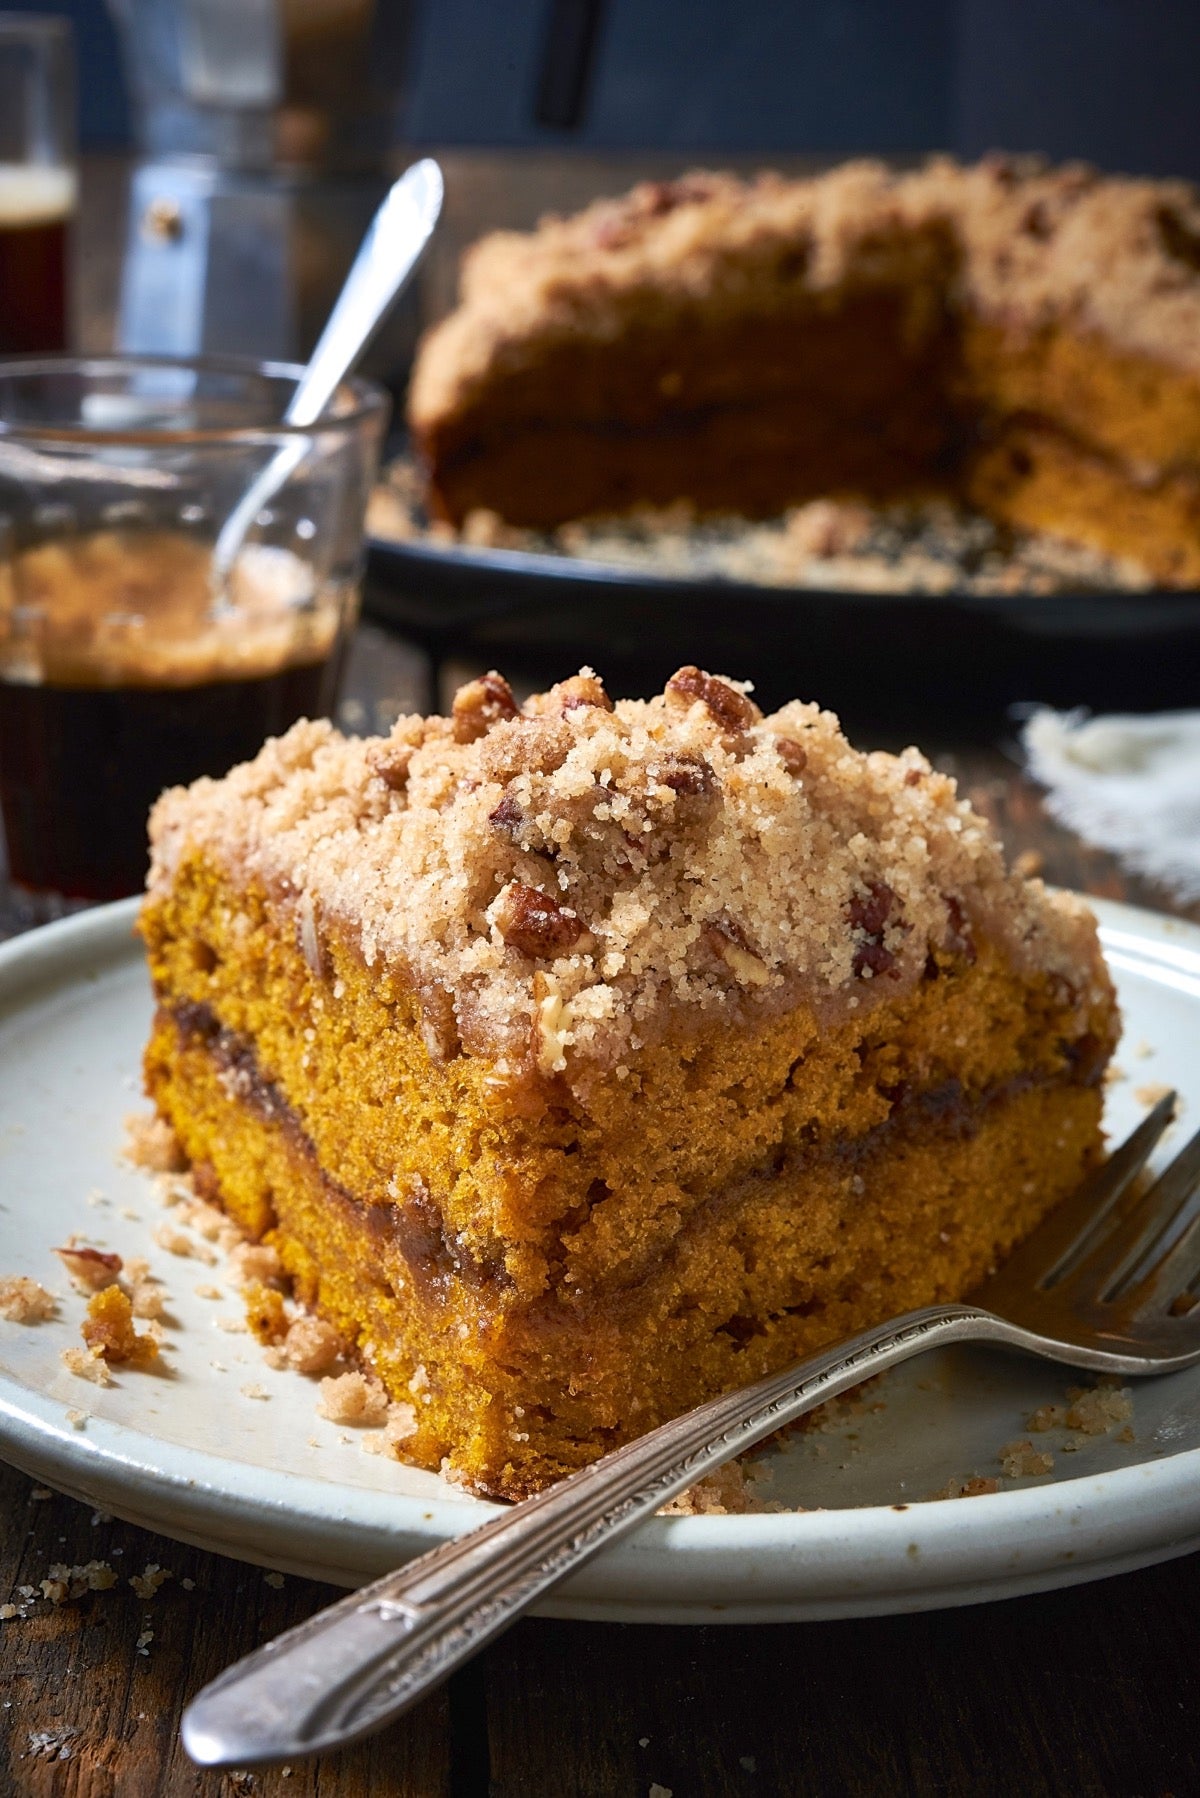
pixel 85 1715
pixel 1093 1690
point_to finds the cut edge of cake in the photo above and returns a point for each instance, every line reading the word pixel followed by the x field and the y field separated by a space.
pixel 748 345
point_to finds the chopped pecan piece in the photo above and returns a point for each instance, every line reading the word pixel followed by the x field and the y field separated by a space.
pixel 507 815
pixel 872 957
pixel 793 755
pixel 90 1270
pixel 390 762
pixel 732 710
pixel 1037 222
pixel 582 689
pixel 727 940
pixel 551 1027
pixel 869 912
pixel 684 774
pixel 480 704
pixel 536 924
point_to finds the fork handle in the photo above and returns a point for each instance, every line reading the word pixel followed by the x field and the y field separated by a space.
pixel 353 1668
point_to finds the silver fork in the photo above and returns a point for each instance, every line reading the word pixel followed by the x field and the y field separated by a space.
pixel 1103 1284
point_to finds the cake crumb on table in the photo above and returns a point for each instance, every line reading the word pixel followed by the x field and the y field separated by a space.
pixel 274 1579
pixel 63 1583
pixel 25 1301
pixel 1153 1091
pixel 146 1583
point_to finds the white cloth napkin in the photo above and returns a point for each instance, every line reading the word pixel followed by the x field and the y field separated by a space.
pixel 1129 784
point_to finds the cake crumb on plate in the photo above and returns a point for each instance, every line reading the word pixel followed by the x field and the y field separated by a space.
pixel 86 1364
pixel 25 1301
pixel 151 1143
pixel 352 1398
pixel 976 1485
pixel 1094 1410
pixel 178 1242
pixel 1020 1460
pixel 108 1330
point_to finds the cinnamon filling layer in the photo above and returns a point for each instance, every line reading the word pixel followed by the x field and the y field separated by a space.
pixel 435 1256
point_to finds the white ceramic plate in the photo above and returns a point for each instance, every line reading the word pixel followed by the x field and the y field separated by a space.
pixel 268 1481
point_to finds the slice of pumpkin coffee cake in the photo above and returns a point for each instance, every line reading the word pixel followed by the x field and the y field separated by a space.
pixel 582 1060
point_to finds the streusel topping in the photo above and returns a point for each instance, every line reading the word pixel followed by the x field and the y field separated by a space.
pixel 1009 237
pixel 560 881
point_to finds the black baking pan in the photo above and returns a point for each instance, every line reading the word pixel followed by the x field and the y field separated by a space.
pixel 888 663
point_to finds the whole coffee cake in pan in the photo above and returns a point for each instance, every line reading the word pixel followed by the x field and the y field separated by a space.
pixel 1021 338
pixel 582 1060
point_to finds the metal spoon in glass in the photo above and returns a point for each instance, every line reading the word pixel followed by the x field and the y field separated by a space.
pixel 389 253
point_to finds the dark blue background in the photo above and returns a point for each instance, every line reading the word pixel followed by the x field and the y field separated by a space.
pixel 1112 80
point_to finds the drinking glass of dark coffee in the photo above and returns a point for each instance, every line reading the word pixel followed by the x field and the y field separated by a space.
pixel 37 182
pixel 126 664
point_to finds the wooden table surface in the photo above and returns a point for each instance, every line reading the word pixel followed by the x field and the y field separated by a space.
pixel 1092 1690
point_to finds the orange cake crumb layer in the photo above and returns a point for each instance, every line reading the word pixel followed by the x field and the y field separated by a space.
pixel 743 346
pixel 583 1060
